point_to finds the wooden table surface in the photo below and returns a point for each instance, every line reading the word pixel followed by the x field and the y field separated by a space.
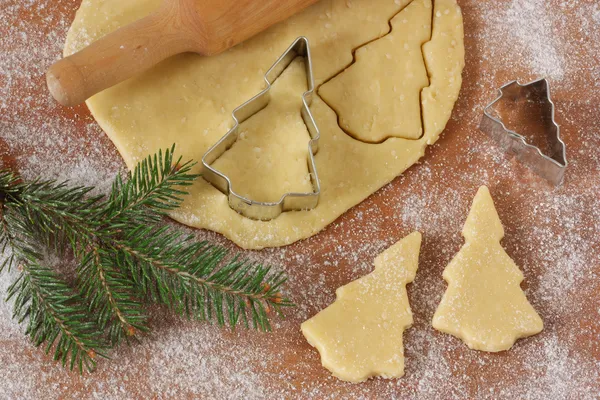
pixel 553 234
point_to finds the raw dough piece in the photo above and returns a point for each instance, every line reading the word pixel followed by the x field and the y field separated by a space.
pixel 188 99
pixel 484 305
pixel 379 95
pixel 360 335
pixel 445 59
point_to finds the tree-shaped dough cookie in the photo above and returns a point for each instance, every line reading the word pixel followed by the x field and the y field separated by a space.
pixel 484 304
pixel 360 335
pixel 379 96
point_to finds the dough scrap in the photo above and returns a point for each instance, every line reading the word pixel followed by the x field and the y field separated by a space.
pixel 445 59
pixel 484 304
pixel 360 335
pixel 379 95
pixel 188 100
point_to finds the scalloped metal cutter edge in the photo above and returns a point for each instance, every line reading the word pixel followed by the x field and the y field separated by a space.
pixel 289 201
pixel 551 167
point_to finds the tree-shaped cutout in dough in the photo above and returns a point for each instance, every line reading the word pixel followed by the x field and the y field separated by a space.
pixel 360 335
pixel 270 156
pixel 484 304
pixel 379 96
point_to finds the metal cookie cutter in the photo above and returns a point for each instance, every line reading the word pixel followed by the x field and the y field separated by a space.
pixel 289 201
pixel 552 166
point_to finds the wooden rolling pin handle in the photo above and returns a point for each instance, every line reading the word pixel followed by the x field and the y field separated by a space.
pixel 124 53
pixel 206 27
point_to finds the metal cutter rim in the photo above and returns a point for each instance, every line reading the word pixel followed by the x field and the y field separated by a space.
pixel 544 165
pixel 288 201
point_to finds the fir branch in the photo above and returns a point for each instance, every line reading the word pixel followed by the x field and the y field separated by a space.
pixel 110 295
pixel 199 282
pixel 125 259
pixel 54 313
pixel 50 212
pixel 154 185
pixel 56 316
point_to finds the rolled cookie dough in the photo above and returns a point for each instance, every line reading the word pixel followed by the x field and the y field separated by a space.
pixel 188 100
pixel 360 335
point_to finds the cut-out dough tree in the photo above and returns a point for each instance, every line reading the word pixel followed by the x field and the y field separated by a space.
pixel 360 335
pixel 484 304
pixel 379 95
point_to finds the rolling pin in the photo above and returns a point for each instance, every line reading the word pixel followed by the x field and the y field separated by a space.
pixel 206 27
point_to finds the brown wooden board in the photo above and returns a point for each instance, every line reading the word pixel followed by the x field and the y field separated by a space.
pixel 553 234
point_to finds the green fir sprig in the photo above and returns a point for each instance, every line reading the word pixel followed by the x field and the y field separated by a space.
pixel 126 259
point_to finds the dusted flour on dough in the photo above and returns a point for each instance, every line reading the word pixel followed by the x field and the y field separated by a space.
pixel 188 99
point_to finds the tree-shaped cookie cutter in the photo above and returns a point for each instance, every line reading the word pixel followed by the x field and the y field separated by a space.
pixel 551 167
pixel 289 201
